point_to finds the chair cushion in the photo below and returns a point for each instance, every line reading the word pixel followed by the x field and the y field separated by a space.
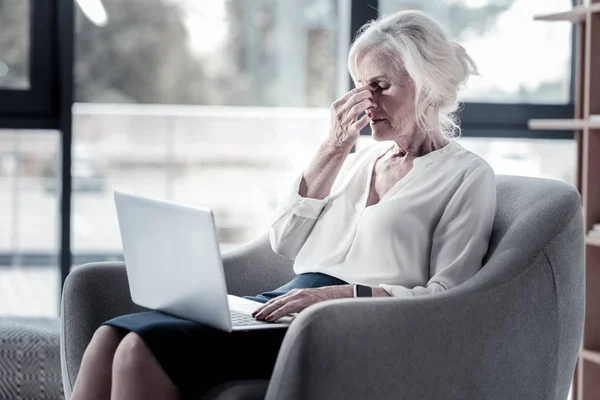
pixel 239 390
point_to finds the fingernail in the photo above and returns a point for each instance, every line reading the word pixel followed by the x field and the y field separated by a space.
pixel 269 318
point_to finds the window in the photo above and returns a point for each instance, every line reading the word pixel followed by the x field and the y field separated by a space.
pixel 29 84
pixel 520 60
pixel 165 113
pixel 32 98
pixel 29 276
pixel 234 53
pixel 14 44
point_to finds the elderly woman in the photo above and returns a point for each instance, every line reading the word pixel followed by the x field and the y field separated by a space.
pixel 410 215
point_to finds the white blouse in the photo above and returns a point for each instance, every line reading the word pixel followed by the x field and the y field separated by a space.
pixel 428 233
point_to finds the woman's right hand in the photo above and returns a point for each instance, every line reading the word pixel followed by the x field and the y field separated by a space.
pixel 345 128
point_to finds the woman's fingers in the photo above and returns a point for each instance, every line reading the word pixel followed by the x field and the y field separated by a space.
pixel 288 308
pixel 361 123
pixel 273 300
pixel 265 305
pixel 346 110
pixel 356 99
pixel 272 305
pixel 352 92
pixel 268 309
pixel 358 109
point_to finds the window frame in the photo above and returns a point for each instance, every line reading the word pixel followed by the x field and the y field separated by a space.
pixel 47 103
pixel 36 107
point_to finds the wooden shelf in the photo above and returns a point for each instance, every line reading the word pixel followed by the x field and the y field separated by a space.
pixel 576 14
pixel 562 124
pixel 585 125
pixel 590 355
pixel 592 241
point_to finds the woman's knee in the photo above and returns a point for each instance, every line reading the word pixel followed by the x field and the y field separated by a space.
pixel 132 353
pixel 106 339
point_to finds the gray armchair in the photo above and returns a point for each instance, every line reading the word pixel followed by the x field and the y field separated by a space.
pixel 513 331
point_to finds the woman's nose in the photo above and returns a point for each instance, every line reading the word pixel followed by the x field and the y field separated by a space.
pixel 374 100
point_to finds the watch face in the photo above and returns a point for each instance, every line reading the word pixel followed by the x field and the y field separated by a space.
pixel 363 291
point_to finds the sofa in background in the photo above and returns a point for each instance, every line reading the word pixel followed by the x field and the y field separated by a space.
pixel 30 359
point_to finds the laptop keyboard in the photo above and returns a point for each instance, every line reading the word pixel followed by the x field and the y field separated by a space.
pixel 241 319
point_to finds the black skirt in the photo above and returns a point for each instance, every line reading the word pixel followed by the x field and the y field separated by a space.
pixel 197 357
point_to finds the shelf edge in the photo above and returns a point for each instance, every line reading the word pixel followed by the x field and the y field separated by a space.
pixel 592 241
pixel 590 355
pixel 557 124
pixel 576 14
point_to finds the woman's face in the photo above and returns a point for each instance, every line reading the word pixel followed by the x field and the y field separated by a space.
pixel 392 112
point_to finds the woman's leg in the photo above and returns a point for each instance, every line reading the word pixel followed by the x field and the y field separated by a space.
pixel 94 378
pixel 184 351
pixel 137 374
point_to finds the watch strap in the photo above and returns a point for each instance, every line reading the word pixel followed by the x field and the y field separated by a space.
pixel 362 290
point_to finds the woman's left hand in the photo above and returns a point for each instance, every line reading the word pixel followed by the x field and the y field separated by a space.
pixel 297 300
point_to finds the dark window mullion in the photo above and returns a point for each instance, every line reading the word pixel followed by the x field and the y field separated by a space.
pixel 44 43
pixel 493 114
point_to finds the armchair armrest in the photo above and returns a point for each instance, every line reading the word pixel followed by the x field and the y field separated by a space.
pixel 459 344
pixel 254 268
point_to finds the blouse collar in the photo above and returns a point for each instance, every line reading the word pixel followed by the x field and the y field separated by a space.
pixel 432 155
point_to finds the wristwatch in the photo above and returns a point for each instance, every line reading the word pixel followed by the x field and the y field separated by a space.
pixel 362 291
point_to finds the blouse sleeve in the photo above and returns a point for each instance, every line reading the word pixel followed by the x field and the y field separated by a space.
pixel 296 216
pixel 461 238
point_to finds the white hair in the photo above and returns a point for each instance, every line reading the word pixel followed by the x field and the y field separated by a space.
pixel 438 66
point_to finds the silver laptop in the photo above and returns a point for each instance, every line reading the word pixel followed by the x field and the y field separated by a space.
pixel 174 264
